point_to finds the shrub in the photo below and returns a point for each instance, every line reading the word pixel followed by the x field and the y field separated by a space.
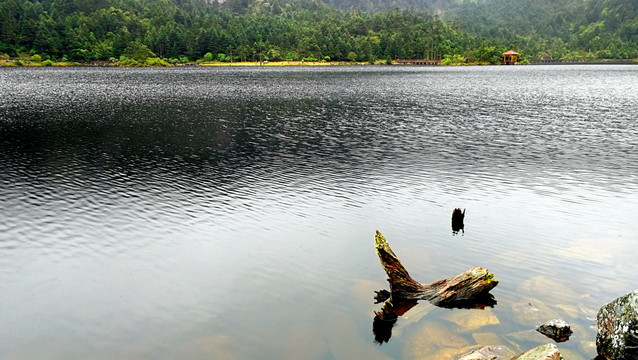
pixel 47 63
pixel 155 62
pixel 138 51
pixel 455 59
pixel 128 62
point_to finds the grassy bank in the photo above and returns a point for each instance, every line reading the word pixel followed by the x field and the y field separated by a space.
pixel 37 61
pixel 20 62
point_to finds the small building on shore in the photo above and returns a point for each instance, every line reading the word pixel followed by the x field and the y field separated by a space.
pixel 510 57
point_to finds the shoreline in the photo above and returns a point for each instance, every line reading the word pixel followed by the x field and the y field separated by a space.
pixel 21 62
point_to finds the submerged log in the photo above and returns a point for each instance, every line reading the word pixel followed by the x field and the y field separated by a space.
pixel 469 290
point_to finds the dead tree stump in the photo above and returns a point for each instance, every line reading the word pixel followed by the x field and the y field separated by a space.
pixel 469 289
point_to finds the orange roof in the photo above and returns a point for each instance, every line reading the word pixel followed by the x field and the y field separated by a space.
pixel 511 52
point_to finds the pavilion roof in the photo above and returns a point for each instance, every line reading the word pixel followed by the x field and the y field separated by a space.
pixel 511 52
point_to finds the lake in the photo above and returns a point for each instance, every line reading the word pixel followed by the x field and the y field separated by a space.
pixel 230 213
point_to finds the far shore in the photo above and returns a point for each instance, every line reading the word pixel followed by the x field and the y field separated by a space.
pixel 18 62
pixel 22 62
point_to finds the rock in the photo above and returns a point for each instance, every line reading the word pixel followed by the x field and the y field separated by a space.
pixel 572 355
pixel 472 319
pixel 486 338
pixel 571 311
pixel 522 340
pixel 533 312
pixel 491 352
pixel 618 328
pixel 433 340
pixel 543 352
pixel 447 353
pixel 556 329
pixel 526 312
pixel 550 290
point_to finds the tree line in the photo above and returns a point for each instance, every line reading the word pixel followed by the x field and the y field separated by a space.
pixel 276 30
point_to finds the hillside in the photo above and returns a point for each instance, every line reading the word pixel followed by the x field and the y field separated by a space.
pixel 188 30
pixel 606 29
pixel 246 30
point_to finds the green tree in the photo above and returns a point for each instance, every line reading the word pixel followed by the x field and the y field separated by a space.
pixel 138 51
pixel 8 25
pixel 47 40
pixel 352 56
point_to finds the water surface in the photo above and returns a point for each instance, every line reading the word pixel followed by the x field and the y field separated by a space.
pixel 230 213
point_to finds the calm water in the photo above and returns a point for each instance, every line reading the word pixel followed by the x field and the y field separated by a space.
pixel 230 213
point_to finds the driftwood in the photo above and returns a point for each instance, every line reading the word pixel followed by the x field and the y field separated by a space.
pixel 469 289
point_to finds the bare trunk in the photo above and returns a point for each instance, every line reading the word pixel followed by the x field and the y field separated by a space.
pixel 469 289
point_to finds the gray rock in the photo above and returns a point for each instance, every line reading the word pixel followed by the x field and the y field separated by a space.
pixel 492 352
pixel 618 328
pixel 556 329
pixel 543 352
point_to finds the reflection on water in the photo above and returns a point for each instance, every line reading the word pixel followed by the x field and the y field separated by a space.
pixel 171 213
pixel 385 319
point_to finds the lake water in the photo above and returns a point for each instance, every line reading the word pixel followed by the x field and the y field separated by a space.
pixel 230 213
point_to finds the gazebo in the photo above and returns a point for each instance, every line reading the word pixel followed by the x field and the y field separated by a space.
pixel 510 57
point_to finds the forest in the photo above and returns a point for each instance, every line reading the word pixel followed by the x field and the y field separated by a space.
pixel 181 31
pixel 561 29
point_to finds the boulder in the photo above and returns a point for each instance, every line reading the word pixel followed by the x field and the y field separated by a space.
pixel 492 352
pixel 543 352
pixel 472 319
pixel 618 328
pixel 433 341
pixel 556 329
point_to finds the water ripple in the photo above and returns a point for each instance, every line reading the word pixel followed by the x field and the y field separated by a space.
pixel 192 185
